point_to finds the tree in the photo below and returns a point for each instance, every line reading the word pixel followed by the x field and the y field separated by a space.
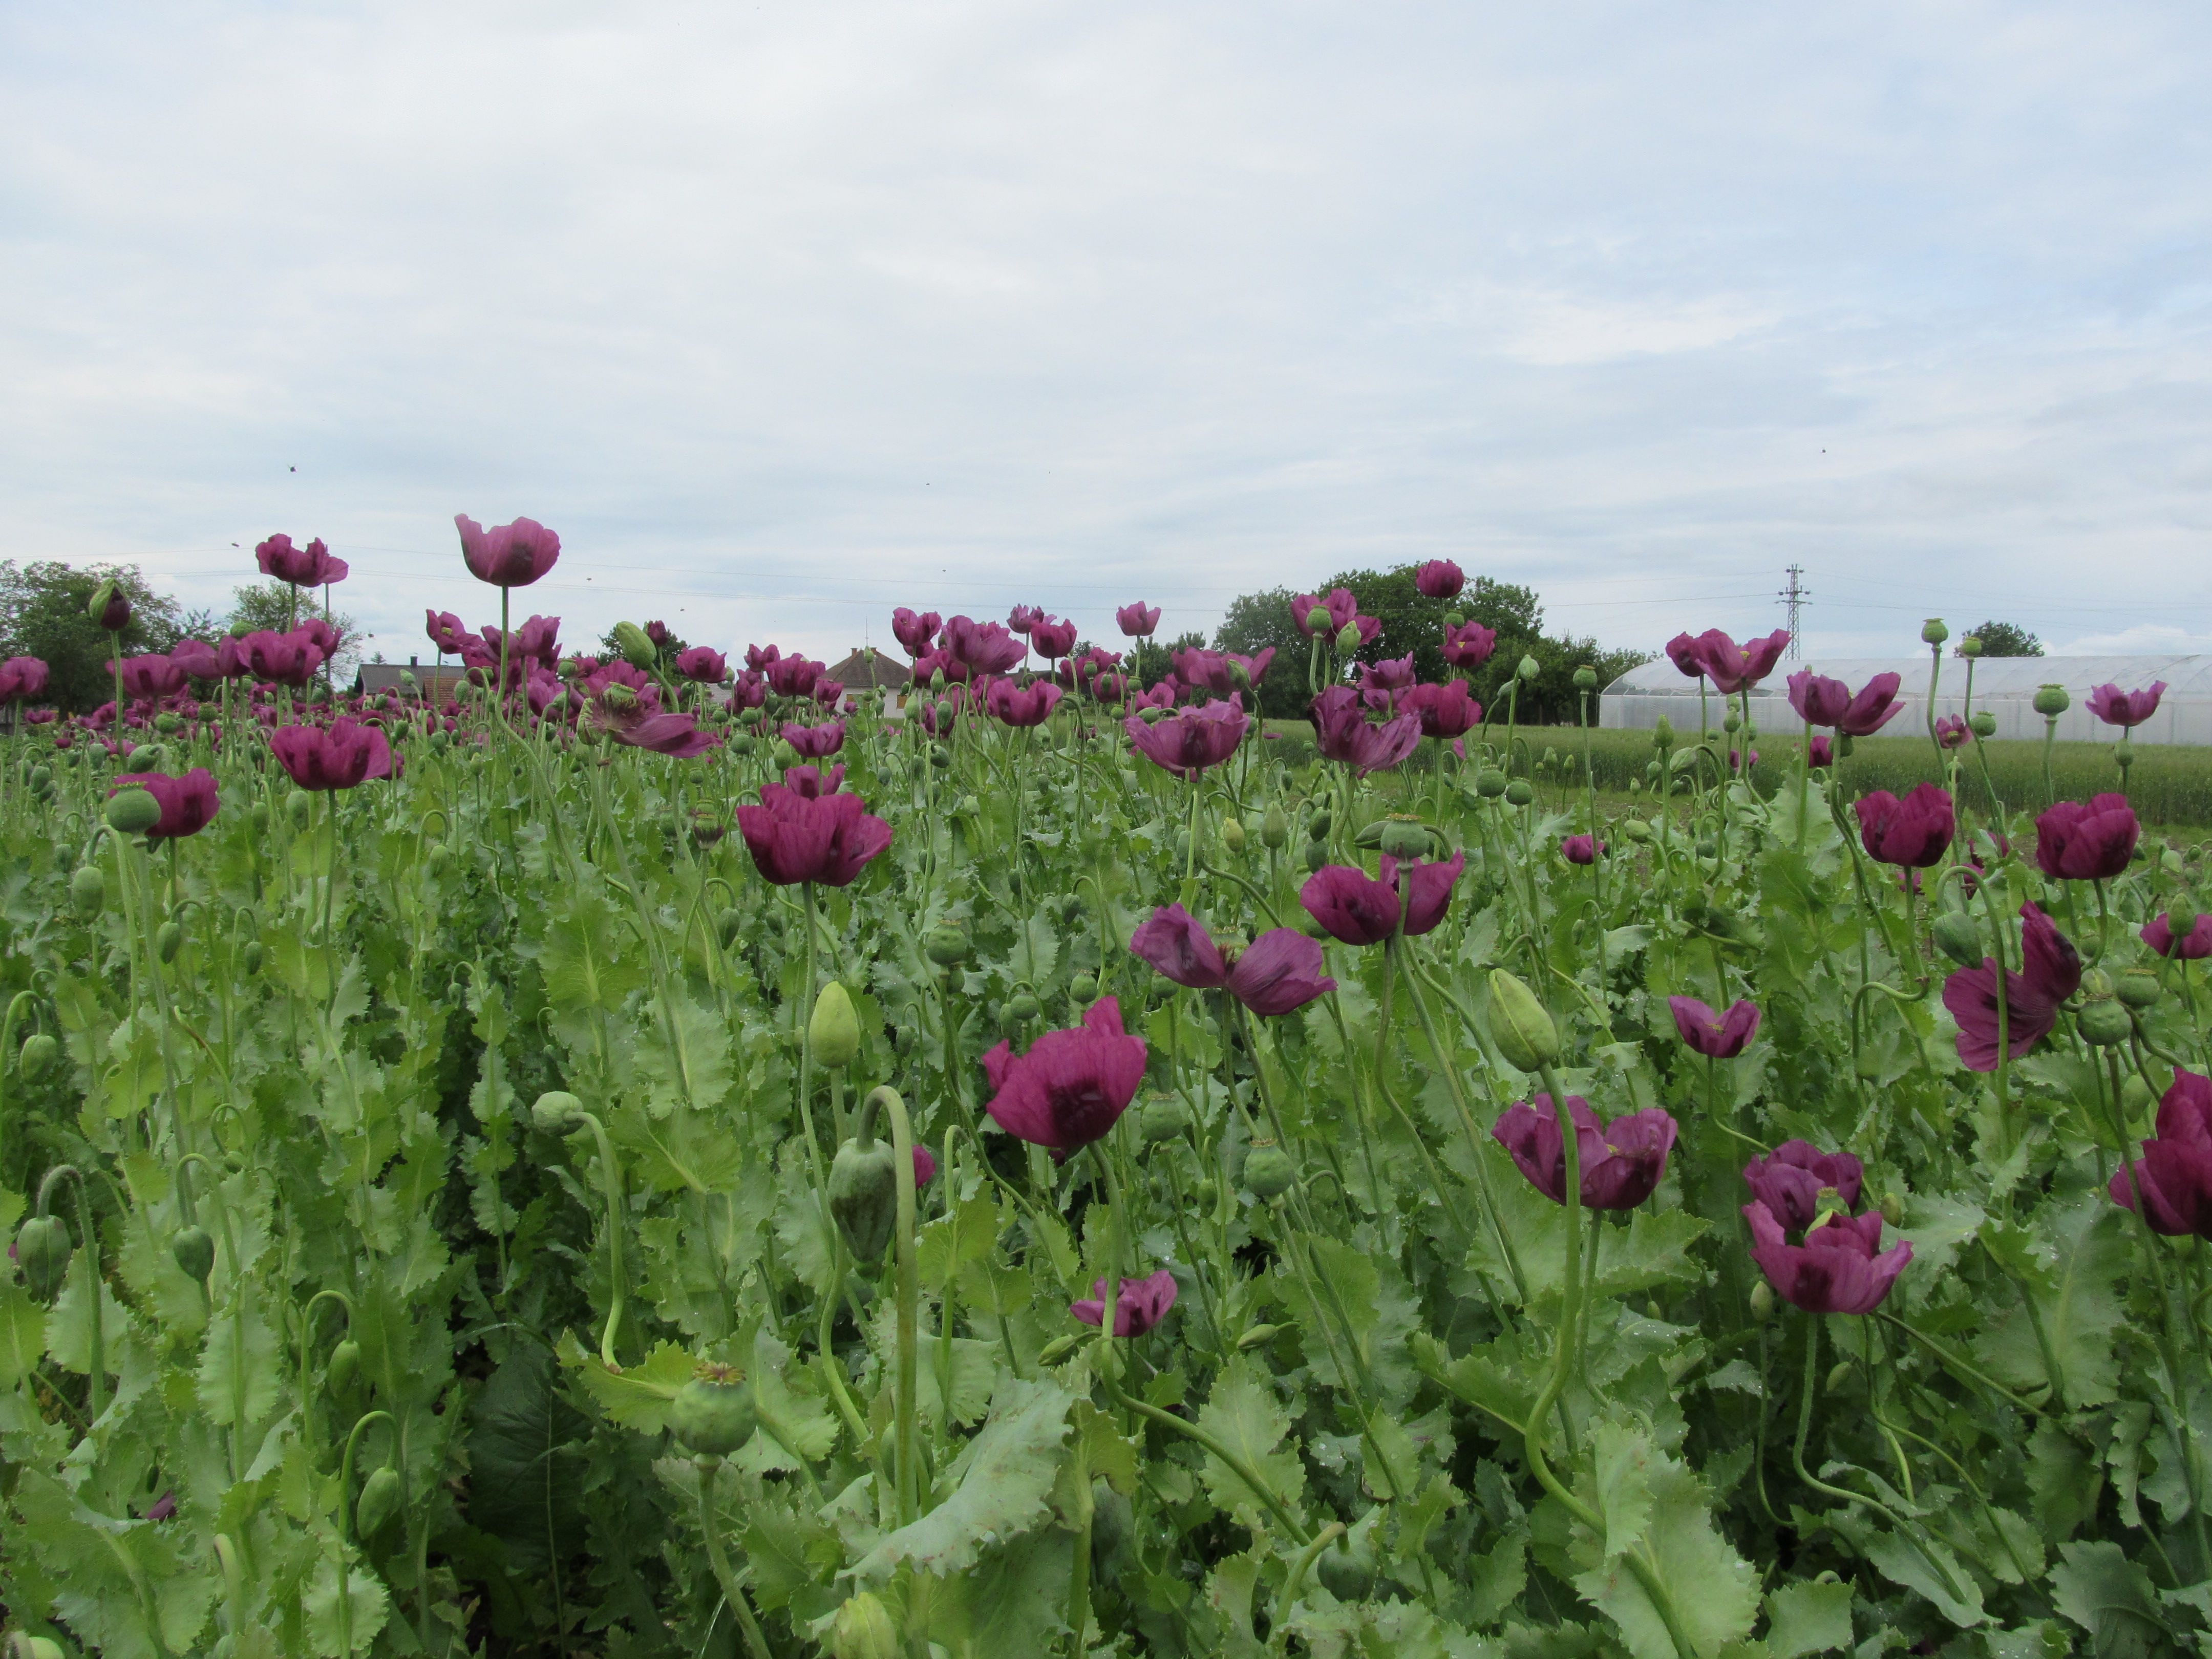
pixel 2001 639
pixel 1153 665
pixel 1253 622
pixel 42 614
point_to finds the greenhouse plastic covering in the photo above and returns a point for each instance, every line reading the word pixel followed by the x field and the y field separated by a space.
pixel 2005 686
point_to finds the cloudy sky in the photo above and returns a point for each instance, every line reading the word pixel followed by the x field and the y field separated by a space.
pixel 785 314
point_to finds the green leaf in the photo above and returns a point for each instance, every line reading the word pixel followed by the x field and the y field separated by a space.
pixel 2097 1587
pixel 638 1396
pixel 1622 1460
pixel 23 1335
pixel 69 1321
pixel 367 1607
pixel 2073 1274
pixel 238 1375
pixel 1920 1563
pixel 1714 1590
pixel 526 1463
pixel 1243 1414
pixel 1808 1618
pixel 684 1057
pixel 1010 1601
pixel 581 956
pixel 788 1550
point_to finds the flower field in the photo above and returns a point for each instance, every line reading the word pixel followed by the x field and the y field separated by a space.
pixel 655 1157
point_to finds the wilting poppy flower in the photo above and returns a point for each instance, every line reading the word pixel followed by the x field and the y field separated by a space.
pixel 165 1506
pixel 1445 711
pixel 282 658
pixel 150 676
pixel 1716 1037
pixel 1140 1304
pixel 1339 605
pixel 508 555
pixel 1951 733
pixel 1820 701
pixel 1023 617
pixel 2092 842
pixel 1732 667
pixel 810 782
pixel 311 566
pixel 188 804
pixel 792 839
pixel 1019 706
pixel 702 665
pixel 1440 579
pixel 912 632
pixel 537 641
pixel 815 742
pixel 642 725
pixel 1469 645
pixel 1790 1179
pixel 1836 1269
pixel 1344 734
pixel 1914 832
pixel 1190 741
pixel 22 678
pixel 2049 972
pixel 1070 1087
pixel 1581 850
pixel 2192 947
pixel 1622 1162
pixel 984 647
pixel 2126 709
pixel 757 658
pixel 348 754
pixel 1361 909
pixel 1051 637
pixel 1278 971
pixel 2175 1172
pixel 1138 621
pixel 1819 754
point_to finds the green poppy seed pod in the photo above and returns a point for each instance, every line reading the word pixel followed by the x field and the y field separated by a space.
pixel 902 1040
pixel 864 1197
pixel 834 1032
pixel 2104 1022
pixel 945 944
pixel 1268 1171
pixel 1316 855
pixel 1317 826
pixel 1403 837
pixel 2051 701
pixel 1162 1117
pixel 1455 619
pixel 1240 676
pixel 1275 828
pixel 1232 835
pixel 1586 679
pixel 863 1630
pixel 241 628
pixel 194 1250
pixel 2096 983
pixel 1519 792
pixel 168 723
pixel 1519 1024
pixel 1762 1302
pixel 440 740
pixel 39 1054
pixel 2123 751
pixel 1984 724
pixel 344 1369
pixel 966 806
pixel 42 1251
pixel 1022 1007
pixel 1257 1337
pixel 1347 1568
pixel 379 1503
pixel 713 1414
pixel 168 939
pixel 88 889
pixel 2138 987
pixel 1840 1374
pixel 253 956
pixel 1530 669
pixel 637 650
pixel 1635 829
pixel 1957 937
pixel 1318 619
pixel 1932 632
pixel 556 1111
pixel 1082 990
pixel 1892 1209
pixel 299 807
pixel 133 811
pixel 1970 645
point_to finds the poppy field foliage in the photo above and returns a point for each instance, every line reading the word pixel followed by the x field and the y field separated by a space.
pixel 663 1155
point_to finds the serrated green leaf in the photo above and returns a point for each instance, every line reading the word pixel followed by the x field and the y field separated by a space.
pixel 1243 1414
pixel 637 1396
pixel 1808 1618
pixel 1714 1590
pixel 525 1461
pixel 23 1335
pixel 588 961
pixel 239 1376
pixel 2097 1588
pixel 2083 1254
pixel 1621 1463
pixel 367 1606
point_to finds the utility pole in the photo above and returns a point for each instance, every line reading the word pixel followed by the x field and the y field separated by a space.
pixel 1793 596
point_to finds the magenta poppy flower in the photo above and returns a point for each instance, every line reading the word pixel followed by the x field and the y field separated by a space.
pixel 201 661
pixel 1732 667
pixel 815 742
pixel 1050 637
pixel 1716 1037
pixel 828 694
pixel 1189 741
pixel 2049 972
pixel 1344 733
pixel 1357 908
pixel 546 692
pixel 1951 733
pixel 644 726
pixel 924 1165
pixel 1913 833
pixel 189 803
pixel 1161 695
pixel 282 658
pixel 748 691
pixel 345 757
pixel 703 666
pixel 1682 652
pixel 508 555
pixel 1141 1303
pixel 809 782
pixel 1440 579
pixel 1023 617
pixel 1820 701
pixel 537 641
pixel 1139 620
pixel 165 1506
pixel 311 566
pixel 792 676
pixel 1339 605
pixel 1790 1179
pixel 2174 1174
pixel 2091 842
pixel 1581 850
pixel 2125 708
pixel 150 676
pixel 828 838
pixel 1072 1087
pixel 22 678
pixel 1392 674
pixel 1445 711
pixel 1469 645
pixel 2193 946
pixel 1622 1162
pixel 757 658
pixel 1819 754
pixel 983 647
pixel 447 632
pixel 914 632
pixel 1279 971
pixel 1019 705
pixel 1836 1269
pixel 931 664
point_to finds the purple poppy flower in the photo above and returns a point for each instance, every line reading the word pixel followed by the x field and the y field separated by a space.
pixel 1019 706
pixel 1072 1085
pixel 1140 1304
pixel 1344 733
pixel 1279 971
pixel 794 838
pixel 2125 708
pixel 189 803
pixel 2174 1174
pixel 311 566
pixel 1914 832
pixel 1138 621
pixel 1581 850
pixel 2049 972
pixel 1622 1162
pixel 22 678
pixel 1469 645
pixel 2091 842
pixel 508 555
pixel 1440 579
pixel 1790 1179
pixel 1189 741
pixel 2193 945
pixel 1836 1269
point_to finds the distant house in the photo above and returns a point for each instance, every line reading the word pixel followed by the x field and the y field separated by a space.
pixel 438 684
pixel 867 670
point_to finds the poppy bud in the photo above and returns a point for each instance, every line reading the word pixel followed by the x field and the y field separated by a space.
pixel 440 860
pixel 2138 987
pixel 1635 829
pixel 2104 1023
pixel 1347 637
pixel 1268 1171
pixel 344 1369
pixel 1317 826
pixel 1082 990
pixel 88 889
pixel 299 807
pixel 254 955
pixel 1316 855
pixel 556 1111
pixel 96 607
pixel 1762 1302
pixel 863 1630
pixel 1840 1374
pixel 1892 1209
pixel 863 1196
pixel 168 939
pixel 39 1052
pixel 194 1250
pixel 1984 724
pixel 1275 828
pixel 1932 632
pixel 636 649
pixel 945 945
pixel 1060 1347
pixel 379 1503
pixel 133 811
pixel 713 1414
pixel 834 1032
pixel 1519 1024
pixel 1957 937
pixel 1162 1117
pixel 1258 1336
pixel 1022 1007
pixel 42 1251
pixel 1519 792
pixel 1586 679
pixel 2051 701
pixel 1347 1568
pixel 1529 668
pixel 1232 835
pixel 1733 723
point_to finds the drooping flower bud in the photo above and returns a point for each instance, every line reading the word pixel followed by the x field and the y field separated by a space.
pixel 2051 701
pixel 1529 668
pixel 1519 1024
pixel 1933 632
pixel 713 1414
pixel 1275 828
pixel 1232 834
pixel 194 1250
pixel 556 1111
pixel 864 1197
pixel 834 1032
pixel 344 1368
pixel 88 889
pixel 1957 937
pixel 39 1052
pixel 379 1503
pixel 1347 637
pixel 42 1251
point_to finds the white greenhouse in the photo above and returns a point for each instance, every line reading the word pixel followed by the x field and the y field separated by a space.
pixel 2005 686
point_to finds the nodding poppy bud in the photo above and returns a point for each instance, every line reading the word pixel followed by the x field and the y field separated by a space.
pixel 1490 783
pixel 1733 723
pixel 1257 1337
pixel 556 1111
pixel 1840 1374
pixel 728 926
pixel 834 1032
pixel 1957 937
pixel 259 817
pixel 1635 829
pixel 1519 1024
pixel 88 889
pixel 96 607
pixel 1316 855
pixel 146 757
pixel 344 1369
pixel 441 860
pixel 299 807
pixel 863 1630
pixel 1984 724
pixel 2138 987
pixel 1275 828
pixel 133 811
pixel 1232 835
pixel 168 939
pixel 1268 1171
pixel 1082 990
pixel 1762 1302
pixel 1347 637
pixel 1347 1568
pixel 945 945
pixel 2104 1022
pixel 713 1414
pixel 1519 792
pixel 2051 701
pixel 1586 679
pixel 42 1251
pixel 1932 632
pixel 380 1502
pixel 1162 1117
pixel 637 649
pixel 863 1196
pixel 1060 1347
pixel 254 955
pixel 39 1052
pixel 1317 826
pixel 1892 1209
pixel 194 1250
